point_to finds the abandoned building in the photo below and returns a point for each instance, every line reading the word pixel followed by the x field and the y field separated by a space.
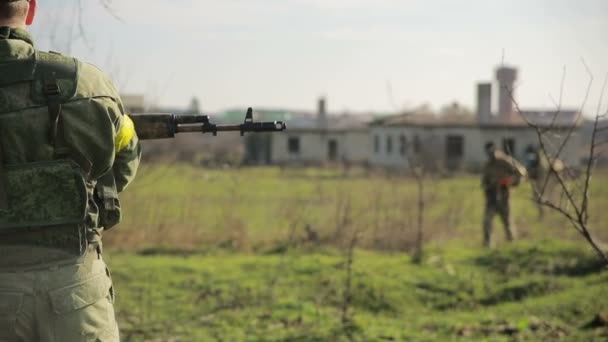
pixel 453 141
pixel 456 142
pixel 320 138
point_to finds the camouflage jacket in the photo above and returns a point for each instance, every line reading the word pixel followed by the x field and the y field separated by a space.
pixel 93 121
pixel 502 166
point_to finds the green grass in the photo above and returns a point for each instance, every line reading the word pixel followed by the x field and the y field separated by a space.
pixel 185 207
pixel 527 291
pixel 223 255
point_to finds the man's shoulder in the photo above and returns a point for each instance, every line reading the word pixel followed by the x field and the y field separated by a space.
pixel 507 162
pixel 89 80
pixel 93 82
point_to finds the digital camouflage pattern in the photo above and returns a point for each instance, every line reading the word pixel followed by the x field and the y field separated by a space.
pixel 58 224
pixel 46 292
pixel 29 185
pixel 92 117
pixel 499 168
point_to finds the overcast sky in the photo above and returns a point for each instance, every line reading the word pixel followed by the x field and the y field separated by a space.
pixel 286 53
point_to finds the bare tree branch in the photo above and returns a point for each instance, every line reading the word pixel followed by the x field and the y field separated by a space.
pixel 81 30
pixel 576 213
pixel 544 151
pixel 590 162
pixel 107 5
pixel 558 105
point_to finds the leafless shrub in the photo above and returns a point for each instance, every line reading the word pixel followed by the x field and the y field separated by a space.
pixel 419 174
pixel 238 238
pixel 376 209
pixel 346 312
pixel 575 194
pixel 296 214
pixel 343 216
pixel 421 165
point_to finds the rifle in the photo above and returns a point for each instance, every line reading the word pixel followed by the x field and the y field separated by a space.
pixel 163 126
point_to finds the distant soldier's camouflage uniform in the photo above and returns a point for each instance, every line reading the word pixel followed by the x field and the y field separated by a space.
pixel 499 174
pixel 540 174
pixel 66 151
pixel 537 173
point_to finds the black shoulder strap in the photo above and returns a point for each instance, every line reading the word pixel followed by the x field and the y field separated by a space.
pixel 51 69
pixel 52 92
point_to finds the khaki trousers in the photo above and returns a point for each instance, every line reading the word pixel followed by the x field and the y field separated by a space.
pixel 497 203
pixel 58 302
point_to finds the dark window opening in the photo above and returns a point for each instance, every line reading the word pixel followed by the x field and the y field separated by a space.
pixel 417 144
pixel 389 144
pixel 454 146
pixel 377 144
pixel 403 145
pixel 293 145
pixel 454 152
pixel 508 146
pixel 332 149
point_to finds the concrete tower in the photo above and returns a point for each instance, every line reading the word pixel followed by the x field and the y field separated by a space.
pixel 322 114
pixel 506 78
pixel 484 102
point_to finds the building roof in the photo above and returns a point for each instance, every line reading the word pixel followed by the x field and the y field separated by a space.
pixel 546 118
pixel 299 120
pixel 562 119
pixel 416 118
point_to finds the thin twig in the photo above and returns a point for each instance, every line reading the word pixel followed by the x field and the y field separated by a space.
pixel 590 162
pixel 346 315
pixel 580 218
pixel 543 149
pixel 561 96
pixel 107 5
pixel 81 33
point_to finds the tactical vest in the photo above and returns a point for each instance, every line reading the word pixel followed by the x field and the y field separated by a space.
pixel 45 203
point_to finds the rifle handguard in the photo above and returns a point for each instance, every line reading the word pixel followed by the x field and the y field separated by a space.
pixel 162 126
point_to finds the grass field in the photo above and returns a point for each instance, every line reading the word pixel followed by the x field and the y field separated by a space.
pixel 185 207
pixel 261 255
pixel 542 291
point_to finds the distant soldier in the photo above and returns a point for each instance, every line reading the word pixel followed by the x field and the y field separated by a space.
pixel 539 173
pixel 500 173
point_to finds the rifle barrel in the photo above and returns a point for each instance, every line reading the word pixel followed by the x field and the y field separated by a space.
pixel 162 126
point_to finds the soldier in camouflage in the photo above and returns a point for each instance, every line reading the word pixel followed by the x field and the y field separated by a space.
pixel 537 173
pixel 500 173
pixel 66 150
pixel 542 175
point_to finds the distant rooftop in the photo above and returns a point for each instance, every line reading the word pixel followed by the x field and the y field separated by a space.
pixel 564 118
pixel 300 120
pixel 417 118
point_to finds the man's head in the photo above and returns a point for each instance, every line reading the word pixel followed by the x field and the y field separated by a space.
pixel 17 13
pixel 490 150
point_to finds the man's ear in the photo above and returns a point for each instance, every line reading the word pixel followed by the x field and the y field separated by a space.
pixel 31 13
